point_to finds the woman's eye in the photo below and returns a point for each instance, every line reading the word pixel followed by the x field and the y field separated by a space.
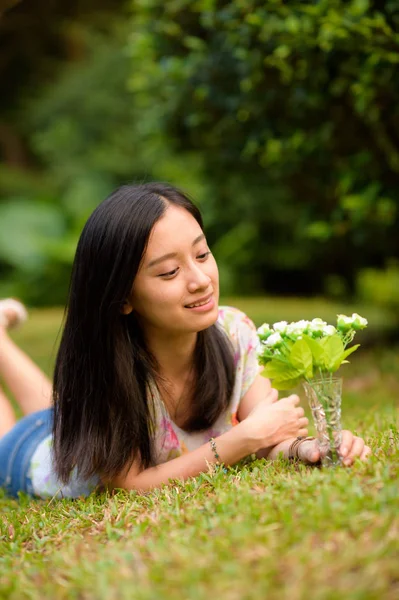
pixel 203 256
pixel 169 273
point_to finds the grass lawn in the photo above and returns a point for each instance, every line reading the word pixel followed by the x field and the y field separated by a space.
pixel 260 531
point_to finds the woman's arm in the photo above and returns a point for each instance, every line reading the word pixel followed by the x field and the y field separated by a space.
pixel 259 391
pixel 267 425
pixel 231 446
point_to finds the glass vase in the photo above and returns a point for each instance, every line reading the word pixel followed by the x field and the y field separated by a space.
pixel 324 396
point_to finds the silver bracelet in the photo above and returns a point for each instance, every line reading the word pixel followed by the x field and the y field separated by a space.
pixel 214 449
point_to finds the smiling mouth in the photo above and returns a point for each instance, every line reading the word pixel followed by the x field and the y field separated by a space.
pixel 201 303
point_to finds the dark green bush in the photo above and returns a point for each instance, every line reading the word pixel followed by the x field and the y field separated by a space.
pixel 293 107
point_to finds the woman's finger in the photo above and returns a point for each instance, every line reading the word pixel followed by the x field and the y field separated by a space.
pixel 302 432
pixel 303 422
pixel 295 398
pixel 355 451
pixel 366 453
pixel 346 443
pixel 272 396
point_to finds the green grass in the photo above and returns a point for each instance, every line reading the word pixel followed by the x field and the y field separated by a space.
pixel 261 530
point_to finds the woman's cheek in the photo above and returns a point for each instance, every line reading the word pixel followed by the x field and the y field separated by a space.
pixel 214 271
pixel 168 292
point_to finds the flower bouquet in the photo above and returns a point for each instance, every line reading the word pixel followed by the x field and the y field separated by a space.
pixel 310 352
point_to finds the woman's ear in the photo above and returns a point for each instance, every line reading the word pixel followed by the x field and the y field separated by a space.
pixel 127 308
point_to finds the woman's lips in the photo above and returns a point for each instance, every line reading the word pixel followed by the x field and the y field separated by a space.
pixel 205 305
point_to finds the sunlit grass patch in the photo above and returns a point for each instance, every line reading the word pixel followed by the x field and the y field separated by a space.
pixel 260 530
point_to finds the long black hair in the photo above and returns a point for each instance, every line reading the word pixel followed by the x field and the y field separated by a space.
pixel 103 419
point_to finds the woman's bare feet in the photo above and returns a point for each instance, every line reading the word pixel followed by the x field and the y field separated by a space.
pixel 12 313
pixel 31 388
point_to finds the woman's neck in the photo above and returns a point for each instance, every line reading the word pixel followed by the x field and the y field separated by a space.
pixel 174 355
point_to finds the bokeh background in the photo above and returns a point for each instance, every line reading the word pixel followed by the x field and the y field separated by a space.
pixel 280 119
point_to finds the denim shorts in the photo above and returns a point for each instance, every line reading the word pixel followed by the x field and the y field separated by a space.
pixel 17 447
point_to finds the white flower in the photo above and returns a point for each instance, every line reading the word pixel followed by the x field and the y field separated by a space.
pixel 345 319
pixel 302 324
pixel 260 348
pixel 293 330
pixel 344 323
pixel 317 325
pixel 280 326
pixel 297 328
pixel 264 331
pixel 316 328
pixel 274 340
pixel 355 322
pixel 359 322
pixel 329 330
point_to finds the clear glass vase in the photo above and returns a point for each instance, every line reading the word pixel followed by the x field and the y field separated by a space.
pixel 324 396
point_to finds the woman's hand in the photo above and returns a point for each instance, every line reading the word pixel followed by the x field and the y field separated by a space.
pixel 351 447
pixel 272 421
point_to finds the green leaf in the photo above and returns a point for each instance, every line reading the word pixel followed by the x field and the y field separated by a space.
pixel 281 371
pixel 301 358
pixel 333 351
pixel 349 351
pixel 316 348
pixel 323 342
pixel 341 359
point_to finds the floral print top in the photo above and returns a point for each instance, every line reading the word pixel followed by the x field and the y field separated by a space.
pixel 170 441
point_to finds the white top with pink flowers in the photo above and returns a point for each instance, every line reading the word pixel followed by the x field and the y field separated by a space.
pixel 169 440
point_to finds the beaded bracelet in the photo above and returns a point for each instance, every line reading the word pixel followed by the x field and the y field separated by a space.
pixel 214 449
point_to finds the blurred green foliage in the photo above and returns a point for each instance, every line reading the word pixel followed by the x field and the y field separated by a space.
pixel 281 119
pixel 84 130
pixel 71 127
pixel 293 107
pixel 380 287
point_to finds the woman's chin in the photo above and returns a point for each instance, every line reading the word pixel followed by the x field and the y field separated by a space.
pixel 202 321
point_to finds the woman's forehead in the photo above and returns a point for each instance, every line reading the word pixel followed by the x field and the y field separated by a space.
pixel 176 228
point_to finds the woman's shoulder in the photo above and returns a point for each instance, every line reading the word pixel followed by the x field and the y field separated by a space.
pixel 235 321
pixel 243 337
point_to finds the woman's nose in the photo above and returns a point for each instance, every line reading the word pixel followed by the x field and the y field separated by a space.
pixel 198 279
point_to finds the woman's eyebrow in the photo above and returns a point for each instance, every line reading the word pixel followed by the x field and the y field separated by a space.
pixel 173 254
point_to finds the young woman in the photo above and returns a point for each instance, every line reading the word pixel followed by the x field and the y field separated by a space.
pixel 153 381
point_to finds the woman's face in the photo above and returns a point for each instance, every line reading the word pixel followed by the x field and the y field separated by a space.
pixel 177 271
